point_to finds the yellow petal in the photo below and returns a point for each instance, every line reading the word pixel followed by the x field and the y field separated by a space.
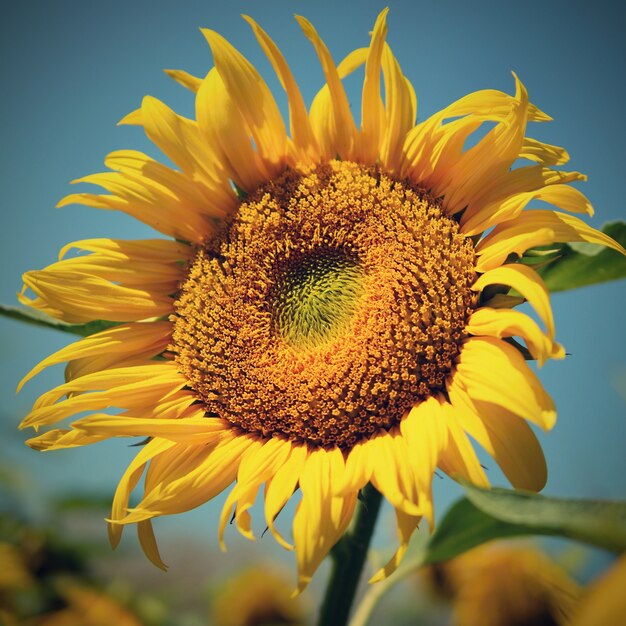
pixel 543 153
pixel 372 112
pixel 243 496
pixel 58 439
pixel 154 275
pixel 185 79
pixel 426 435
pixel 78 297
pixel 184 430
pixel 536 228
pixel 190 196
pixel 503 301
pixel 300 126
pixel 280 488
pixel 128 482
pixel 224 128
pixel 562 196
pixel 148 543
pixel 89 365
pixel 391 472
pixel 124 387
pixel 243 519
pixel 153 250
pixel 118 342
pixel 340 133
pixel 459 459
pixel 149 200
pixel 113 378
pixel 520 180
pixel 321 518
pixel 193 483
pixel 134 118
pixel 430 149
pixel 406 525
pixel 488 159
pixel 506 437
pixel 252 97
pixel 180 139
pixel 400 109
pixel 490 373
pixel 506 323
pixel 258 465
pixel 358 468
pixel 322 115
pixel 178 460
pixel 491 104
pixel 527 282
pixel 434 151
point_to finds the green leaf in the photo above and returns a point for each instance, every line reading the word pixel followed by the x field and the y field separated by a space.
pixel 499 513
pixel 464 527
pixel 32 316
pixel 600 523
pixel 82 502
pixel 580 264
pixel 487 514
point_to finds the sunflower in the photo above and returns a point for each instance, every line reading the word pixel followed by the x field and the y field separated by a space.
pixel 257 596
pixel 330 307
pixel 509 585
pixel 88 607
pixel 604 602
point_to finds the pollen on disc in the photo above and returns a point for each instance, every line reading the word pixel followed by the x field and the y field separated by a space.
pixel 333 301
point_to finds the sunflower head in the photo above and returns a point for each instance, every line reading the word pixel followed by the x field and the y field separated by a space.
pixel 333 302
pixel 510 585
pixel 257 597
pixel 329 305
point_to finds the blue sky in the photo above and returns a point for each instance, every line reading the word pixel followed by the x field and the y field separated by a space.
pixel 72 70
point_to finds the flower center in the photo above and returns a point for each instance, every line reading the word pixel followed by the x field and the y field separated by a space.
pixel 315 296
pixel 333 301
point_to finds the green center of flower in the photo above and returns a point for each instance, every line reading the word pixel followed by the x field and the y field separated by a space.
pixel 333 301
pixel 315 297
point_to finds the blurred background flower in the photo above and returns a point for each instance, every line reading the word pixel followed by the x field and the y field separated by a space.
pixel 604 601
pixel 503 584
pixel 46 581
pixel 258 596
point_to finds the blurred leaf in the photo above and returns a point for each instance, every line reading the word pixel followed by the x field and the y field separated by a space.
pixel 11 477
pixel 32 316
pixel 498 513
pixel 601 523
pixel 465 527
pixel 83 502
pixel 579 264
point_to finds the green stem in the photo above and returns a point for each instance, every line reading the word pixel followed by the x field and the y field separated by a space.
pixel 348 559
pixel 33 316
pixel 376 592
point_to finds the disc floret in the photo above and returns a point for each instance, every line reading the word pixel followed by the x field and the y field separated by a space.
pixel 333 302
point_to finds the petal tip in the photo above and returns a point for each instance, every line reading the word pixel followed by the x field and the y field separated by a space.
pixel 549 418
pixel 132 119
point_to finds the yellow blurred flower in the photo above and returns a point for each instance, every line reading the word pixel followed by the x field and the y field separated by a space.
pixel 505 584
pixel 40 582
pixel 88 607
pixel 604 602
pixel 14 573
pixel 257 597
